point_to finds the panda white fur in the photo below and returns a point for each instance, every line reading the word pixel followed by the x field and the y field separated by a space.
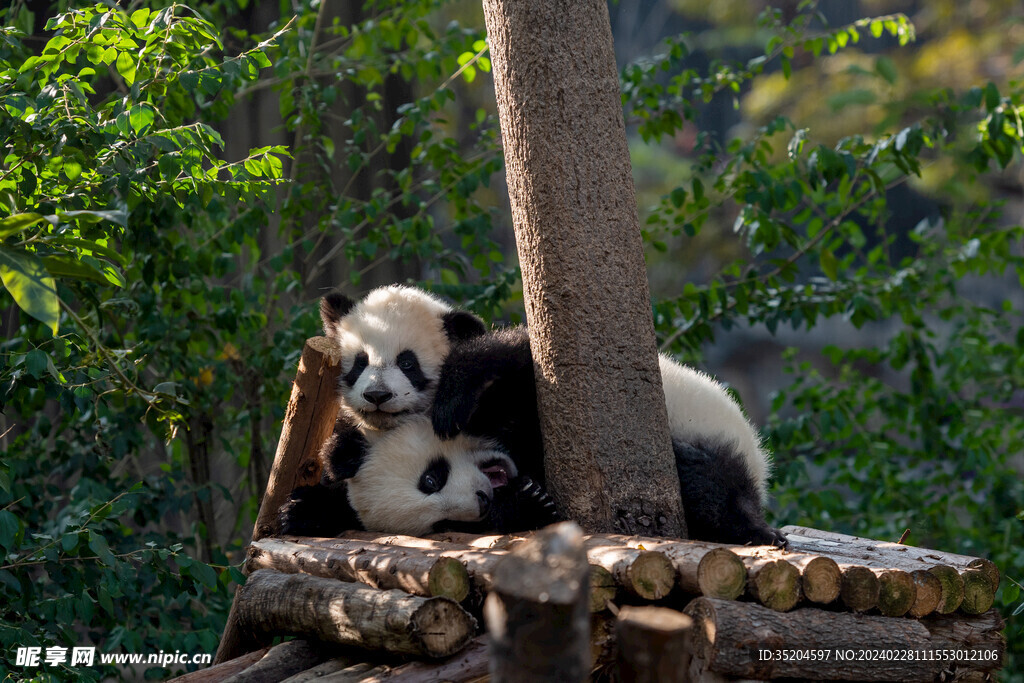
pixel 487 389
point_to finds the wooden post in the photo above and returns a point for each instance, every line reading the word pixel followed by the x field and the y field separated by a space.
pixel 652 644
pixel 537 615
pixel 308 420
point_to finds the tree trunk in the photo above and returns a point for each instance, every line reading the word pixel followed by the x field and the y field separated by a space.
pixel 608 458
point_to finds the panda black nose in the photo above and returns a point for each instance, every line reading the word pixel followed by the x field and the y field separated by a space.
pixel 377 397
pixel 485 502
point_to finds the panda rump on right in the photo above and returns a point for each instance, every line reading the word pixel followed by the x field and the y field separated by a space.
pixel 486 389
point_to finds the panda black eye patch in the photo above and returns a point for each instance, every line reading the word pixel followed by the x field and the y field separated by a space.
pixel 361 361
pixel 409 364
pixel 435 476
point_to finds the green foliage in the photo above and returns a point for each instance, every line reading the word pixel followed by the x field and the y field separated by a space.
pixel 107 183
pixel 919 430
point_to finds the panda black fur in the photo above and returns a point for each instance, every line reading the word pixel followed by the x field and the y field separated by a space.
pixel 392 344
pixel 487 389
pixel 408 481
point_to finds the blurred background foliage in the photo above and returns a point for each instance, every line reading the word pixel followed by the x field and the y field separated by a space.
pixel 830 192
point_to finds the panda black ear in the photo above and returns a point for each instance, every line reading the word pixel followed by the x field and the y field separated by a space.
pixel 333 308
pixel 462 325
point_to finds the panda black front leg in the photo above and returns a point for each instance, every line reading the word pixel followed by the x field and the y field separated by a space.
pixel 320 510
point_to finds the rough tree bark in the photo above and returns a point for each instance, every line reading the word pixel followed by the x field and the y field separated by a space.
pixel 608 458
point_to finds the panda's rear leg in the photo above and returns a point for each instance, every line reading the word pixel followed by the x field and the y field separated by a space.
pixel 721 500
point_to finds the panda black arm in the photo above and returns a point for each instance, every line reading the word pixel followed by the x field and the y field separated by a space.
pixel 471 367
pixel 342 453
pixel 318 510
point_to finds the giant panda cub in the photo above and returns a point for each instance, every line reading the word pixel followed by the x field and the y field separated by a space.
pixel 487 389
pixel 392 344
pixel 408 481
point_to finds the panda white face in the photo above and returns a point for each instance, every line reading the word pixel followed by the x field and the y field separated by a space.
pixel 410 481
pixel 392 344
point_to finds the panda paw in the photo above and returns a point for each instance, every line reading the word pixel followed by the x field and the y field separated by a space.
pixel 778 539
pixel 537 503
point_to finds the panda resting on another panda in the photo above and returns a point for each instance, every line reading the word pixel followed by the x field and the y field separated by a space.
pixel 383 467
pixel 391 473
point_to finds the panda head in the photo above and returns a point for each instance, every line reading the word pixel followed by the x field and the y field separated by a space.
pixel 392 344
pixel 411 482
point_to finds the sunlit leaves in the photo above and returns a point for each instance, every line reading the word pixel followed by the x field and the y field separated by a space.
pixel 30 285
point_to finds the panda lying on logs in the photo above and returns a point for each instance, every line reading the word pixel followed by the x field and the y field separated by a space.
pixel 487 389
pixel 383 467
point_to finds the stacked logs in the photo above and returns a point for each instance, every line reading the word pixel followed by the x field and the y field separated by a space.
pixel 379 600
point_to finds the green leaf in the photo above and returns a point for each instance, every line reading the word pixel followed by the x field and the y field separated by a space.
pixel 31 286
pixel 98 545
pixel 141 117
pixel 8 529
pixel 73 268
pixel 18 222
pixel 140 17
pixel 678 197
pixel 885 68
pixel 35 363
pixel 204 574
pixel 125 66
pixel 829 264
pixel 93 216
pixel 449 277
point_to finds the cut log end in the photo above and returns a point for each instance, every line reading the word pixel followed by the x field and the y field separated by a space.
pixel 989 569
pixel 721 574
pixel 896 592
pixel 448 578
pixel 821 580
pixel 978 592
pixel 952 586
pixel 775 584
pixel 859 588
pixel 928 592
pixel 442 627
pixel 602 588
pixel 652 575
